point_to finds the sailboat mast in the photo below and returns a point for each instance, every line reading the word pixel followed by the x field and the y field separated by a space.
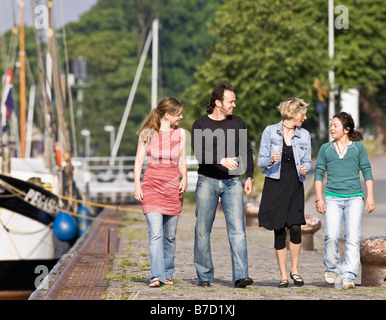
pixel 59 100
pixel 22 80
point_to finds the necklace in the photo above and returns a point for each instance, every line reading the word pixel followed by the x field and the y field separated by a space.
pixel 288 127
pixel 286 135
pixel 340 153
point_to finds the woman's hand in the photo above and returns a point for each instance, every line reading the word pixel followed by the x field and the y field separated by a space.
pixel 321 206
pixel 370 204
pixel 303 170
pixel 276 157
pixel 183 185
pixel 138 194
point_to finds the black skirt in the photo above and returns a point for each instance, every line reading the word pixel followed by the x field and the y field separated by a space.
pixel 282 200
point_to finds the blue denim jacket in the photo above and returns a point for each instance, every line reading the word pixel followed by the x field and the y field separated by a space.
pixel 272 141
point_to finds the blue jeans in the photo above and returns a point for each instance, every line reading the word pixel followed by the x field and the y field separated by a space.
pixel 351 210
pixel 162 244
pixel 208 191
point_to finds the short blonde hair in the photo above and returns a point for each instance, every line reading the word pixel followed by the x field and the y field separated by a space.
pixel 291 107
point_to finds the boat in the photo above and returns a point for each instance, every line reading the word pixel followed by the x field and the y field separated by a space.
pixel 28 247
pixel 37 195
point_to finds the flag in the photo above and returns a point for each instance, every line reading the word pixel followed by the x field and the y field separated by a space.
pixel 6 100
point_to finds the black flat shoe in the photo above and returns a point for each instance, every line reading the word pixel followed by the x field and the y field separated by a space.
pixel 298 281
pixel 242 283
pixel 283 283
pixel 202 283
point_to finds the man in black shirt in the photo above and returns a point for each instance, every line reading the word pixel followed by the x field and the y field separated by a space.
pixel 221 146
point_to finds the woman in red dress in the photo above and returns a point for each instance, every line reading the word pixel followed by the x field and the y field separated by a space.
pixel 163 183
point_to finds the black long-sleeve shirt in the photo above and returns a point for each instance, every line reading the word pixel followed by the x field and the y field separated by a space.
pixel 213 140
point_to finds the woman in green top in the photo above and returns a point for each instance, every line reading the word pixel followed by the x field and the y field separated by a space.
pixel 342 159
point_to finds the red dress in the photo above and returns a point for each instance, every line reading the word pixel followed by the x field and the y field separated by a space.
pixel 161 180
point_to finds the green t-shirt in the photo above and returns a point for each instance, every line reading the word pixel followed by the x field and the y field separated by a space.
pixel 343 173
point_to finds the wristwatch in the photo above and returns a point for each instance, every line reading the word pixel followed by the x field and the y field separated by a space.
pixel 250 178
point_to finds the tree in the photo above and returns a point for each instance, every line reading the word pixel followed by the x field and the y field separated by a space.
pixel 360 58
pixel 184 41
pixel 103 38
pixel 111 37
pixel 269 52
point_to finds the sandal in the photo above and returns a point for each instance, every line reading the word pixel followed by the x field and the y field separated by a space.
pixel 155 283
pixel 283 283
pixel 169 282
pixel 298 281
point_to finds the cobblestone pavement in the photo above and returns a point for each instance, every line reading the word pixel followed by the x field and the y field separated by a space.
pixel 129 274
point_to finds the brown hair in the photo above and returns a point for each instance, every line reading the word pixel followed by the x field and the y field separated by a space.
pixel 348 124
pixel 152 122
pixel 218 94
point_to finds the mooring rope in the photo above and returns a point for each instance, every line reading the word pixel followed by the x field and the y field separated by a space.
pixel 21 195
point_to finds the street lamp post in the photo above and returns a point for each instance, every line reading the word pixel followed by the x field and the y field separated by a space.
pixel 86 133
pixel 111 129
pixel 331 74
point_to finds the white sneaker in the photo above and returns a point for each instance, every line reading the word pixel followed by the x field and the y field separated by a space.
pixel 330 277
pixel 348 283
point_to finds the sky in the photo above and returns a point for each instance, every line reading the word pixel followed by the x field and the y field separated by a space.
pixel 72 9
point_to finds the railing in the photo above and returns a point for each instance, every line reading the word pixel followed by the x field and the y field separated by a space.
pixel 104 183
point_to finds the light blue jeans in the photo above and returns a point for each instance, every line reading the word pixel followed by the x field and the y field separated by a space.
pixel 162 244
pixel 350 209
pixel 208 192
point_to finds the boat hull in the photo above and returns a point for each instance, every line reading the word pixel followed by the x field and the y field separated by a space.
pixel 23 275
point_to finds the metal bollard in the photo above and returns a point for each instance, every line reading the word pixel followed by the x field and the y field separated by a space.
pixel 373 259
pixel 107 242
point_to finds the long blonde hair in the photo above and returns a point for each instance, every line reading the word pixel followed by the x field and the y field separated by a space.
pixel 152 122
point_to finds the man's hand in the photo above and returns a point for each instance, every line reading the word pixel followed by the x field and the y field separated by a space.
pixel 248 186
pixel 229 163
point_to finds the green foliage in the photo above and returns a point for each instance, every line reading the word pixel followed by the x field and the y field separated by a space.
pixel 111 37
pixel 103 39
pixel 268 52
pixel 360 51
pixel 184 41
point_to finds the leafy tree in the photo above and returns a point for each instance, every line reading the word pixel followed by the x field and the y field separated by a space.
pixel 111 37
pixel 184 41
pixel 103 39
pixel 269 52
pixel 360 59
